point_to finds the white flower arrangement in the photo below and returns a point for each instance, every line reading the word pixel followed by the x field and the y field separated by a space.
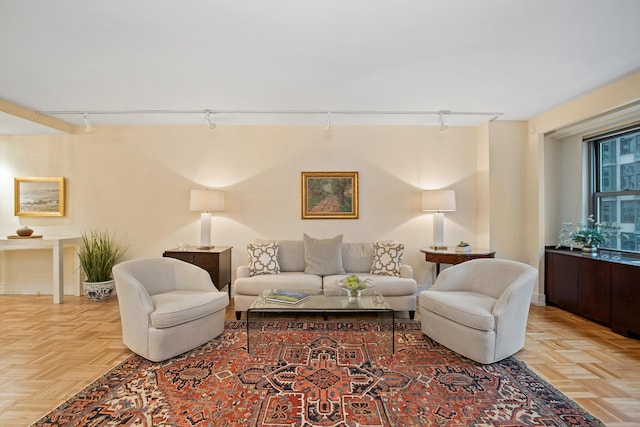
pixel 589 234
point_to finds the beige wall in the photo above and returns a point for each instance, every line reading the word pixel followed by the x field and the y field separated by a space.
pixel 136 181
pixel 552 160
pixel 507 182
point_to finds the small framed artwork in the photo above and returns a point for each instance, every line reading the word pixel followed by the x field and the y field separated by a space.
pixel 39 196
pixel 329 195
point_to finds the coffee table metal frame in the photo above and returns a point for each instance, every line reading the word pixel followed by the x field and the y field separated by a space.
pixel 322 301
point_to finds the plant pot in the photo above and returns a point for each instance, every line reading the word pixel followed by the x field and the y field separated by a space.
pixel 590 250
pixel 98 291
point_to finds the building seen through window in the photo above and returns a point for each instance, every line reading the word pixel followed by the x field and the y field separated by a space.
pixel 616 186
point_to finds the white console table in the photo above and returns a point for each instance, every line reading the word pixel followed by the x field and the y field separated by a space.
pixel 57 244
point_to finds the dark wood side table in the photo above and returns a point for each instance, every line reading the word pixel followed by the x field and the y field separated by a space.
pixel 217 261
pixel 450 256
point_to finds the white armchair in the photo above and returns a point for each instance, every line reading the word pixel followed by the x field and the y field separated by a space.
pixel 479 308
pixel 167 306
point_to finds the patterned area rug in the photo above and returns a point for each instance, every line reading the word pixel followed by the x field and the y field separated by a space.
pixel 320 374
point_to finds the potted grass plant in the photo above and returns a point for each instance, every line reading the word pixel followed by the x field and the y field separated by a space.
pixel 98 252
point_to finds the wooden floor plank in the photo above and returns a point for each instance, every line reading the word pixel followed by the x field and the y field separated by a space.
pixel 51 351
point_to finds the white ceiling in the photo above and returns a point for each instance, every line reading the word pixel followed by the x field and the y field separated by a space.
pixel 519 58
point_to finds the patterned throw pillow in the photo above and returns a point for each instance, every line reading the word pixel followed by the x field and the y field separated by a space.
pixel 263 258
pixel 387 258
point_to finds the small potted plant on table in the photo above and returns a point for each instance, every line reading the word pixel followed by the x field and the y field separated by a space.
pixel 463 247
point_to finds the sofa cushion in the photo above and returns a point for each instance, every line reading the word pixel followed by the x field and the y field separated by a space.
pixel 385 285
pixel 263 258
pixel 323 256
pixel 177 307
pixel 285 280
pixel 387 258
pixel 290 254
pixel 357 257
pixel 467 308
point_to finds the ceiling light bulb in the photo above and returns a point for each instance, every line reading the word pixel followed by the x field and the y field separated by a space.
pixel 328 127
pixel 209 120
pixel 443 127
pixel 87 125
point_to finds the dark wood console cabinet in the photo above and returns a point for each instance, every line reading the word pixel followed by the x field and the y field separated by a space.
pixel 217 261
pixel 602 290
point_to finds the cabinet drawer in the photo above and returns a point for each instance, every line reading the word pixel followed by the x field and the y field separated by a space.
pixel 183 256
pixel 217 262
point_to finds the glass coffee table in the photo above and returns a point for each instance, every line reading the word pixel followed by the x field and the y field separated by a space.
pixel 321 301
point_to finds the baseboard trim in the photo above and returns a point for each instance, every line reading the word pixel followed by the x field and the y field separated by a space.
pixel 538 299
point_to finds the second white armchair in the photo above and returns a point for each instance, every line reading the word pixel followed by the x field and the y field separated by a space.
pixel 479 308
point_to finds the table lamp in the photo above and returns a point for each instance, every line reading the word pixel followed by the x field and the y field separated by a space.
pixel 438 201
pixel 206 201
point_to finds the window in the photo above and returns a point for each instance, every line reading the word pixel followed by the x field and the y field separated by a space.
pixel 616 185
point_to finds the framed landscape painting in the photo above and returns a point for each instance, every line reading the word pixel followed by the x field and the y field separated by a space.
pixel 39 196
pixel 329 195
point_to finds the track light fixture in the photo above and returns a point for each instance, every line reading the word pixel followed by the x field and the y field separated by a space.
pixel 209 119
pixel 208 114
pixel 443 127
pixel 87 124
pixel 328 127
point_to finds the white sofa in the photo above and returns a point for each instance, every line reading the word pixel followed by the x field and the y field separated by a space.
pixel 480 308
pixel 356 258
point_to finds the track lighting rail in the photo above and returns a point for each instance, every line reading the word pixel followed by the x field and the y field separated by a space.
pixel 495 115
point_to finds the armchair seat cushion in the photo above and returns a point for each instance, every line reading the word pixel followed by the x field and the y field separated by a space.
pixel 183 306
pixel 467 308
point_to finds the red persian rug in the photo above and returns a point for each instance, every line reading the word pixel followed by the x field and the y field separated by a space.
pixel 320 374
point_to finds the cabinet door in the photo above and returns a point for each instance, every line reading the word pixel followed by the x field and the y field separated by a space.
pixel 562 281
pixel 625 299
pixel 594 290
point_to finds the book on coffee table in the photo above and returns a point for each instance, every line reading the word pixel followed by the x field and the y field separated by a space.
pixel 286 297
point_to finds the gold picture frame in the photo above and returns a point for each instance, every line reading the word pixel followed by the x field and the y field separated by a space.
pixel 39 196
pixel 330 195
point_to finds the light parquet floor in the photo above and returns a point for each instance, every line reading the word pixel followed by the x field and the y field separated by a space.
pixel 48 352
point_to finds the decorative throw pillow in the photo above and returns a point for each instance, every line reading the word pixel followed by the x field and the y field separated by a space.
pixel 323 256
pixel 387 258
pixel 263 258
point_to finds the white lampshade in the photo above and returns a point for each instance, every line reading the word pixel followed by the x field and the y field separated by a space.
pixel 439 200
pixel 206 200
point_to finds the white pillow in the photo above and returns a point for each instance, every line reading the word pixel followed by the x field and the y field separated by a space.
pixel 387 258
pixel 323 256
pixel 263 258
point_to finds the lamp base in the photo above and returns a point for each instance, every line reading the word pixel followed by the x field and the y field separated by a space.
pixel 205 247
pixel 439 247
